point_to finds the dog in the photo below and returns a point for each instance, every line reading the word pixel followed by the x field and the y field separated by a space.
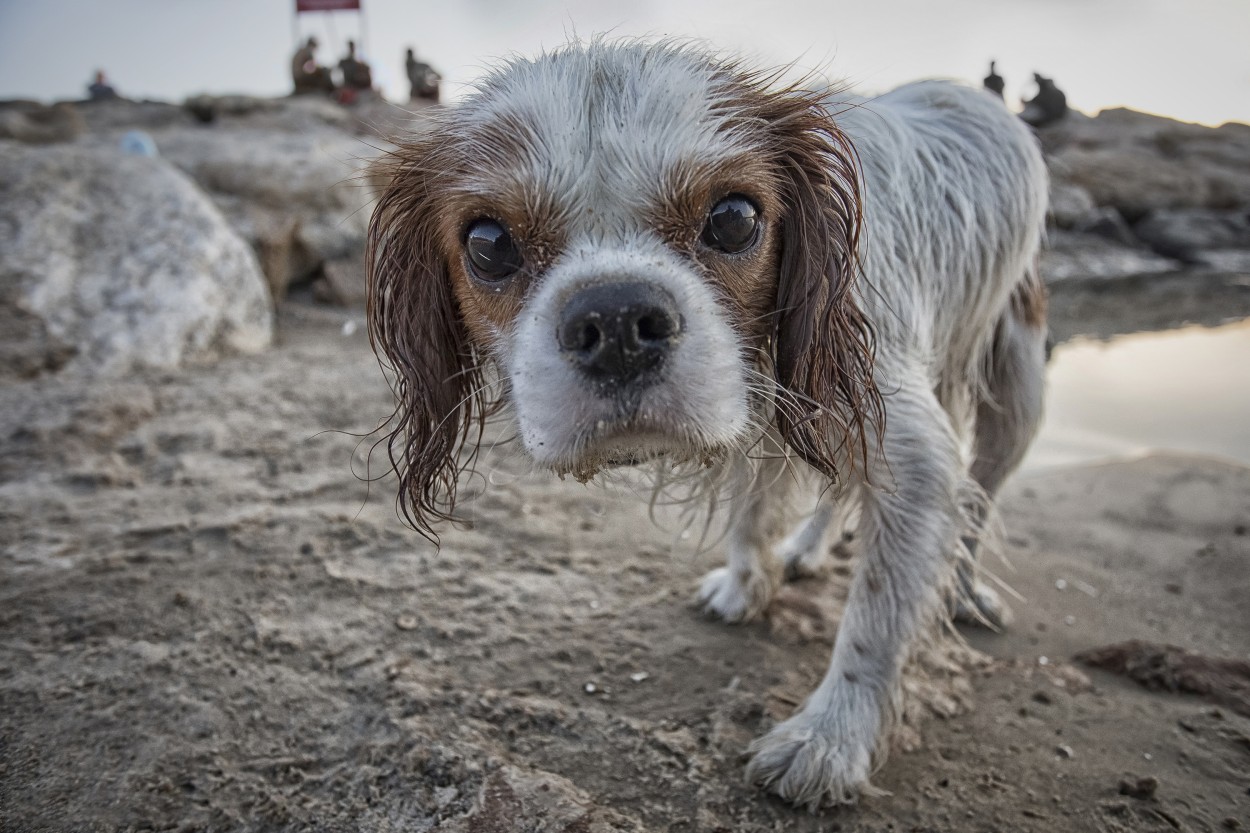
pixel 648 254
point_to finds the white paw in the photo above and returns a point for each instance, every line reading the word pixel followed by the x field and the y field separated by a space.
pixel 802 557
pixel 982 606
pixel 735 595
pixel 810 762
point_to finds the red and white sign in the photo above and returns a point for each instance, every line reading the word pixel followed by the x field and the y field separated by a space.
pixel 326 5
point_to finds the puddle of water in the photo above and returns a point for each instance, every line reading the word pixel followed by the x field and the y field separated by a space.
pixel 1184 390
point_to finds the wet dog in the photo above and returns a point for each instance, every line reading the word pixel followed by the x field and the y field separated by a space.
pixel 646 254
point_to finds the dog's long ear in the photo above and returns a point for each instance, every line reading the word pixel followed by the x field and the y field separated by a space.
pixel 418 334
pixel 822 345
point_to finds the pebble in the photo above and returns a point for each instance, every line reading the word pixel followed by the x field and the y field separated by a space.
pixel 639 676
pixel 406 622
pixel 590 688
pixel 1064 751
pixel 1143 788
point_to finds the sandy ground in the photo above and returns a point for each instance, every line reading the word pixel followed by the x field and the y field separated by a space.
pixel 207 623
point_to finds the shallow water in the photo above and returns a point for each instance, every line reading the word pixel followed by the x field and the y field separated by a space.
pixel 1183 390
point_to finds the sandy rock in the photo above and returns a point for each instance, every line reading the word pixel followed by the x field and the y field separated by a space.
pixel 295 193
pixel 118 115
pixel 1139 163
pixel 515 799
pixel 1070 255
pixel 1108 223
pixel 1069 204
pixel 292 113
pixel 1133 180
pixel 1225 260
pixel 34 123
pixel 342 283
pixel 1185 233
pixel 110 262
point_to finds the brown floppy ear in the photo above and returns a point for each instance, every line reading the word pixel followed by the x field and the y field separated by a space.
pixel 418 334
pixel 822 345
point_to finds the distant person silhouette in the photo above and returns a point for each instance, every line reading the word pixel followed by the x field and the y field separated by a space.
pixel 306 75
pixel 994 82
pixel 356 73
pixel 101 89
pixel 1048 106
pixel 422 78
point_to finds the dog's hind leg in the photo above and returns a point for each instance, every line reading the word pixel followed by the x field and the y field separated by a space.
pixel 803 552
pixel 744 587
pixel 1007 420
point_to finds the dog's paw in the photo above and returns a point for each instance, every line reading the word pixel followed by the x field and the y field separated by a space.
pixel 802 557
pixel 735 595
pixel 981 605
pixel 806 763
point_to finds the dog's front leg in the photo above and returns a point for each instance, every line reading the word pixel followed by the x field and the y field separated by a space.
pixel 826 752
pixel 743 588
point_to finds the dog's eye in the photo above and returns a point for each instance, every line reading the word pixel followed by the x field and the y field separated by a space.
pixel 493 255
pixel 733 225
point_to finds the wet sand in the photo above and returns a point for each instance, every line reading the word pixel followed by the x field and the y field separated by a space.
pixel 207 623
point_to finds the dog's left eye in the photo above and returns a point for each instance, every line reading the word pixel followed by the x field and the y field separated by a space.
pixel 732 225
pixel 493 254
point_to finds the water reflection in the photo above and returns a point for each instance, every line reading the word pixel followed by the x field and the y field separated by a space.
pixel 1184 390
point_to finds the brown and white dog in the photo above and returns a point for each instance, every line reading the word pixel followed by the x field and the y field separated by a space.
pixel 648 255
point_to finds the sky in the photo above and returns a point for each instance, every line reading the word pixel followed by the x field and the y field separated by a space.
pixel 1187 59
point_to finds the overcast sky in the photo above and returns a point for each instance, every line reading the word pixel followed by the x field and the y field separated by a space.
pixel 1184 58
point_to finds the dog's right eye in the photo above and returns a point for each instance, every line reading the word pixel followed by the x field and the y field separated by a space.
pixel 493 255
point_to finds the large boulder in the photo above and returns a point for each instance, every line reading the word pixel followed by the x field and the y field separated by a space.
pixel 111 262
pixel 1140 163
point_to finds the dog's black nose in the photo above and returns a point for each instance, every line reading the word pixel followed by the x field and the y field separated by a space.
pixel 619 333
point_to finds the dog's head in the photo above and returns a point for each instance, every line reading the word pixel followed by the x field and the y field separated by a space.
pixel 655 249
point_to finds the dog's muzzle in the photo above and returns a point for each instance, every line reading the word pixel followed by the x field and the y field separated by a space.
pixel 618 335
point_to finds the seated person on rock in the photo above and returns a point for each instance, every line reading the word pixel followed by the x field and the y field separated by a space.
pixel 306 74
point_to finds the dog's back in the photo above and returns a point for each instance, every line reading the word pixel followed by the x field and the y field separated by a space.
pixel 955 195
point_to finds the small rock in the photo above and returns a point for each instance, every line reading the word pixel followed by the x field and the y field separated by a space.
pixel 1064 751
pixel 1143 789
pixel 406 622
pixel 639 676
pixel 590 688
pixel 1086 588
pixel 1230 823
pixel 1041 696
